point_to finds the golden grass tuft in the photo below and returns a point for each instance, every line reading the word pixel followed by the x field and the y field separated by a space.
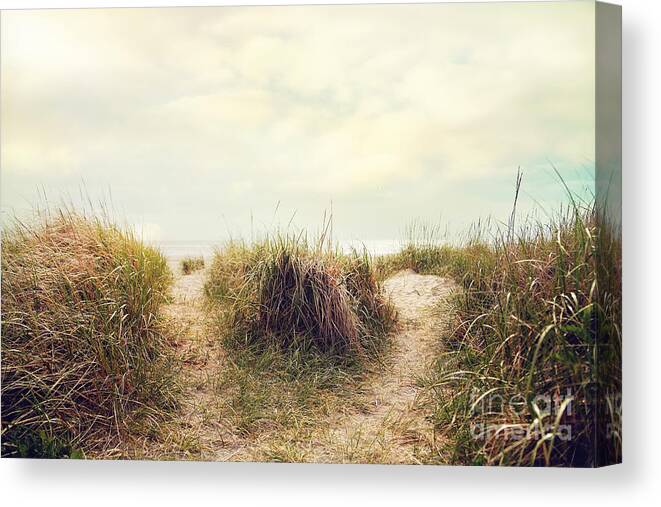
pixel 191 264
pixel 83 352
pixel 285 290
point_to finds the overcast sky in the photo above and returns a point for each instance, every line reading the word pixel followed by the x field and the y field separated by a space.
pixel 196 119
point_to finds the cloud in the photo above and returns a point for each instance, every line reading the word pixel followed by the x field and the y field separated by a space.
pixel 147 231
pixel 207 105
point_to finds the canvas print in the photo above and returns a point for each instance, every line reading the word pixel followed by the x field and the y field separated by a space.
pixel 324 234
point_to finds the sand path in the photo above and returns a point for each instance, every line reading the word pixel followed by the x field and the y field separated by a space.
pixel 391 422
pixel 197 432
pixel 392 426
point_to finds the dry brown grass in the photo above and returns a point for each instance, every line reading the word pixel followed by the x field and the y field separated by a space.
pixel 83 352
pixel 191 264
pixel 284 290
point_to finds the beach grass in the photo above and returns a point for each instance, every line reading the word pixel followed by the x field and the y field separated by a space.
pixel 528 372
pixel 84 355
pixel 292 292
pixel 531 369
pixel 302 325
pixel 191 264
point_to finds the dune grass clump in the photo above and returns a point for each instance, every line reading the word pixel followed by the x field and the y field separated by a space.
pixel 191 264
pixel 533 371
pixel 287 291
pixel 303 327
pixel 83 352
pixel 426 251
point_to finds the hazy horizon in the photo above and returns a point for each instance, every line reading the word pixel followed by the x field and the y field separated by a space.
pixel 196 123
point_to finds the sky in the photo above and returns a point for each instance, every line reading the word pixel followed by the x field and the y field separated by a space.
pixel 199 123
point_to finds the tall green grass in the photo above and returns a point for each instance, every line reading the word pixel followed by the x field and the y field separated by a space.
pixel 531 374
pixel 82 344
